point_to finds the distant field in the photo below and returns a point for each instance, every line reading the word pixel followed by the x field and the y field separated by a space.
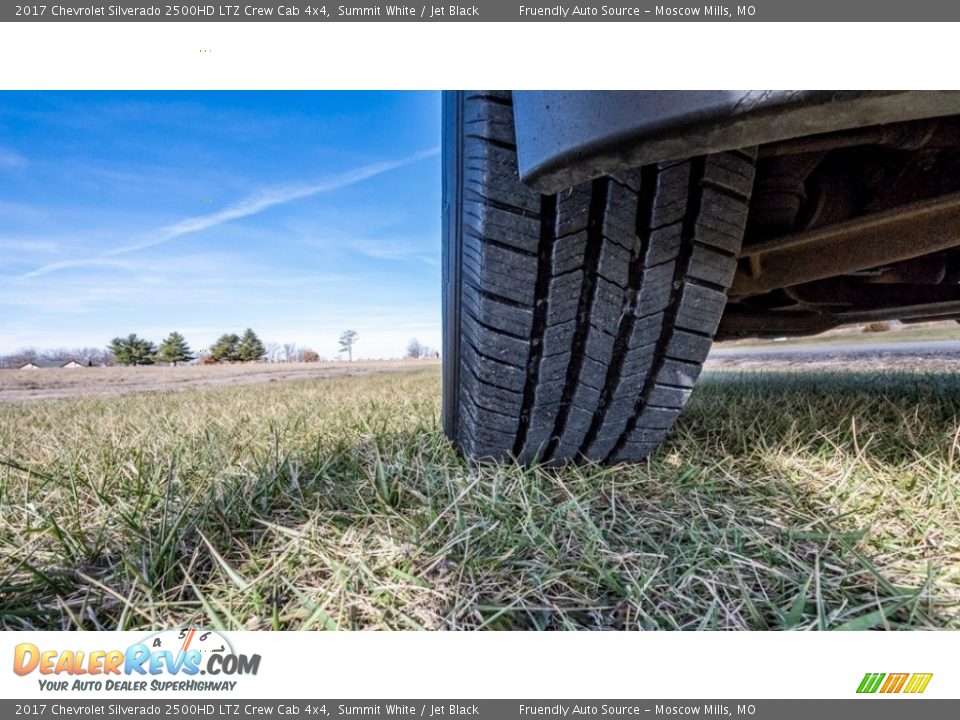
pixel 50 383
pixel 781 501
pixel 921 332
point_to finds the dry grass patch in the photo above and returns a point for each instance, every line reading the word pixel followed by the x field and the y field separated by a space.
pixel 780 501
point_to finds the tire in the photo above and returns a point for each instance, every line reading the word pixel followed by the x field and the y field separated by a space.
pixel 576 324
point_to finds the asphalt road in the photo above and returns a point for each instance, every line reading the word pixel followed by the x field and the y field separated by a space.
pixel 910 349
pixel 927 356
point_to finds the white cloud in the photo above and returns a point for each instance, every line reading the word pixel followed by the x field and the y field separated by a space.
pixel 252 205
pixel 11 159
pixel 26 245
pixel 388 249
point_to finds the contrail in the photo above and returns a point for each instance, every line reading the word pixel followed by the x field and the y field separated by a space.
pixel 252 205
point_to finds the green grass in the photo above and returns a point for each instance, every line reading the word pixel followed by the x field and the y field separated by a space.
pixel 781 501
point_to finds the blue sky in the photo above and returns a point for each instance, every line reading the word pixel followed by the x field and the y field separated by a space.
pixel 298 214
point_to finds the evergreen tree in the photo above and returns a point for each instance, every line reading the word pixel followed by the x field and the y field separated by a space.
pixel 174 349
pixel 225 348
pixel 132 350
pixel 250 348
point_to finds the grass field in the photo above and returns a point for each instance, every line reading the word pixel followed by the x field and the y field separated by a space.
pixel 55 383
pixel 781 501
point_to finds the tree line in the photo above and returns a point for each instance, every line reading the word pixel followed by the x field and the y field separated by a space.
pixel 174 349
pixel 82 355
pixel 417 350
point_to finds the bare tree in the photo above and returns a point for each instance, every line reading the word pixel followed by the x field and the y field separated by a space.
pixel 289 352
pixel 415 349
pixel 82 355
pixel 20 357
pixel 347 340
pixel 56 355
pixel 274 351
pixel 91 356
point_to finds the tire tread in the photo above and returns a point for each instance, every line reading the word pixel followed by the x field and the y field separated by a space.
pixel 587 315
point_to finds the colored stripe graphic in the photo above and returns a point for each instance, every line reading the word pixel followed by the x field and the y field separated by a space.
pixel 894 683
pixel 918 683
pixel 870 682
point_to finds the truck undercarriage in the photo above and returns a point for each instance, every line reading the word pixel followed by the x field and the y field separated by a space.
pixel 851 227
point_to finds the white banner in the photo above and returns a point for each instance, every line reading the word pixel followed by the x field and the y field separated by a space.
pixel 175 663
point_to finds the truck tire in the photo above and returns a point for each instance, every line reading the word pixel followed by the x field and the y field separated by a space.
pixel 576 324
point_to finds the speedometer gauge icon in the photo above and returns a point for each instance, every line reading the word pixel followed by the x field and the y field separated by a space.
pixel 180 640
